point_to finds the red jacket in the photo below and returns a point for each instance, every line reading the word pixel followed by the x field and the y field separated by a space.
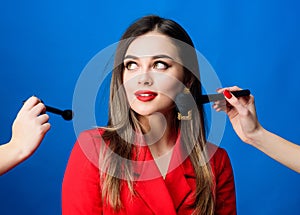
pixel 81 190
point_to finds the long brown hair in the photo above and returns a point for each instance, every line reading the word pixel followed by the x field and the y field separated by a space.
pixel 123 121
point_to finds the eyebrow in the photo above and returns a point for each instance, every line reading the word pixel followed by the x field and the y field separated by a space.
pixel 154 57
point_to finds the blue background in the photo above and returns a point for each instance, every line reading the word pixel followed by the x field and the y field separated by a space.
pixel 44 46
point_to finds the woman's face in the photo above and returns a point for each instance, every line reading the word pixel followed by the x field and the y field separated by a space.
pixel 153 74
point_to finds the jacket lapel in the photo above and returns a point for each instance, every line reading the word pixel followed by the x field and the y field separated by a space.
pixel 163 196
pixel 180 169
pixel 150 185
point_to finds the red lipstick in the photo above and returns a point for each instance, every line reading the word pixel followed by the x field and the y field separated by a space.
pixel 145 95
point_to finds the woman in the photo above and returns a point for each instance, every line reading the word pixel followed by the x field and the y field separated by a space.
pixel 28 131
pixel 242 115
pixel 151 158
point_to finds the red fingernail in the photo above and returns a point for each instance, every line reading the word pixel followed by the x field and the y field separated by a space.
pixel 227 94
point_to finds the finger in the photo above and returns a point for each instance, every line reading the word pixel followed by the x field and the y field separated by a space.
pixel 220 102
pixel 38 109
pixel 42 119
pixel 215 106
pixel 220 107
pixel 233 88
pixel 220 90
pixel 30 103
pixel 244 100
pixel 45 127
pixel 233 101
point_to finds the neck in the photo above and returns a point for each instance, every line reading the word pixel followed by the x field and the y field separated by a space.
pixel 159 133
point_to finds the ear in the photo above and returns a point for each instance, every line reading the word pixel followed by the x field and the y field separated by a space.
pixel 189 82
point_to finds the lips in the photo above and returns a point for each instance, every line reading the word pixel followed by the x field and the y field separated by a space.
pixel 145 95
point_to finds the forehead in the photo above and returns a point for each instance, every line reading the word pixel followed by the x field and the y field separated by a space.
pixel 152 44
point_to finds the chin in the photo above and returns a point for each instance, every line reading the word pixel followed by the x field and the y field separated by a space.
pixel 145 113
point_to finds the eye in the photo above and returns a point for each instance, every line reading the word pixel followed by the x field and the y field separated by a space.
pixel 160 65
pixel 131 65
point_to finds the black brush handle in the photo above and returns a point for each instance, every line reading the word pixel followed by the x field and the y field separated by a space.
pixel 66 114
pixel 219 96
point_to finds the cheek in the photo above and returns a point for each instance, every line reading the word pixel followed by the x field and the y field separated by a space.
pixel 125 77
pixel 170 84
pixel 129 87
pixel 130 78
pixel 170 87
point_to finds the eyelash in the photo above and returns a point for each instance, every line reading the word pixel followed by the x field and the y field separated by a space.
pixel 162 62
pixel 128 63
pixel 166 65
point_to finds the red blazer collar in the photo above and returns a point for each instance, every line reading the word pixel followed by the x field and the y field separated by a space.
pixel 163 196
pixel 145 167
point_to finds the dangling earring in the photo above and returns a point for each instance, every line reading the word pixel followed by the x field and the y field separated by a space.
pixel 182 101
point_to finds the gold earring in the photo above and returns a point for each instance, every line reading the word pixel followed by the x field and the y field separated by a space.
pixel 187 117
pixel 186 90
pixel 182 100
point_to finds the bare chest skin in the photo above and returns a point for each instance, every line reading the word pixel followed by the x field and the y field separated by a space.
pixel 162 161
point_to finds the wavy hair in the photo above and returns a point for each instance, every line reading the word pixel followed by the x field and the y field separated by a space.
pixel 123 122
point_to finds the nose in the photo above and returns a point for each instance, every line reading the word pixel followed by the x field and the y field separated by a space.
pixel 145 79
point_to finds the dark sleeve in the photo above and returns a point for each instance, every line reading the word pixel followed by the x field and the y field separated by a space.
pixel 225 188
pixel 81 193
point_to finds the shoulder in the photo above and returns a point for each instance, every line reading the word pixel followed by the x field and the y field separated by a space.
pixel 215 151
pixel 90 137
pixel 218 158
pixel 91 133
pixel 223 179
pixel 89 143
